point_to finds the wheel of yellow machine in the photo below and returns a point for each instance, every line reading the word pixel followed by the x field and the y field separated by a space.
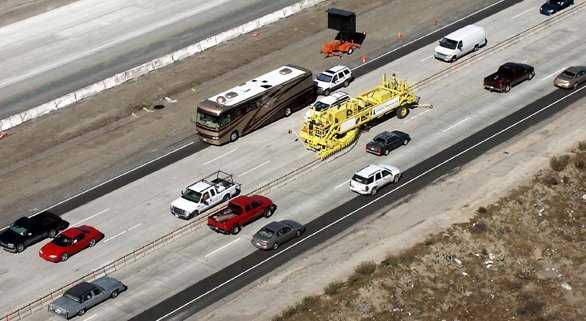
pixel 402 112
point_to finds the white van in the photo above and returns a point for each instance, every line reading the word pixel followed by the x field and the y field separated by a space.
pixel 460 42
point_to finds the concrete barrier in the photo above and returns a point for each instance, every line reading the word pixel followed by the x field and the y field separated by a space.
pixel 155 64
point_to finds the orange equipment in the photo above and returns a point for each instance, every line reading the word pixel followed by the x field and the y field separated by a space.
pixel 347 38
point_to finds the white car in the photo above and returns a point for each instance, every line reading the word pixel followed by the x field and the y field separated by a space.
pixel 337 97
pixel 369 179
pixel 332 79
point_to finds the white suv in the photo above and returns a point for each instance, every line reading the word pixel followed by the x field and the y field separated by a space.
pixel 333 79
pixel 337 97
pixel 369 179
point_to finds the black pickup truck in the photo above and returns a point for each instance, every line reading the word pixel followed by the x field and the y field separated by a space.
pixel 507 76
pixel 29 230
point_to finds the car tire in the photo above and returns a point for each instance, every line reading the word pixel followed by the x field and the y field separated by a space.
pixel 226 198
pixel 575 85
pixel 20 247
pixel 92 242
pixel 346 83
pixel 476 48
pixel 326 92
pixel 64 257
pixel 396 178
pixel 374 190
pixel 298 233
pixel 81 312
pixel 531 75
pixel 406 141
pixel 193 214
pixel 350 51
pixel 275 246
pixel 386 152
pixel 453 59
pixel 52 233
pixel 114 294
pixel 507 88
pixel 234 136
pixel 235 229
pixel 288 111
pixel 402 112
pixel 268 212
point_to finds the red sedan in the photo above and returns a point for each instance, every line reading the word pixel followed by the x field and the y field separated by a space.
pixel 70 242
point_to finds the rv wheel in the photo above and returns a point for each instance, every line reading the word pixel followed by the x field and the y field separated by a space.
pixel 234 136
pixel 287 111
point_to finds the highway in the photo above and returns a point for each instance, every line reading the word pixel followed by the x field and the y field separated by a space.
pixel 138 212
pixel 73 46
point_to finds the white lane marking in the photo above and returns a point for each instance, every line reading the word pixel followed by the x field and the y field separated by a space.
pixel 223 247
pixel 220 156
pixel 93 316
pixel 424 59
pixel 524 61
pixel 132 228
pixel 552 74
pixel 250 170
pixel 115 236
pixel 456 124
pixel 346 182
pixel 522 13
pixel 431 33
pixel 85 219
pixel 111 179
pixel 284 251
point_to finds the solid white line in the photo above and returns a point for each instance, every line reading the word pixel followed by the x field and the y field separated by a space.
pixel 115 236
pixel 283 251
pixel 111 179
pixel 132 228
pixel 102 212
pixel 424 59
pixel 346 182
pixel 522 13
pixel 250 170
pixel 91 317
pixel 223 247
pixel 431 33
pixel 456 124
pixel 220 156
pixel 557 72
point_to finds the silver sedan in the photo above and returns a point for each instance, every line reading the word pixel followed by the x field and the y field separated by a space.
pixel 276 233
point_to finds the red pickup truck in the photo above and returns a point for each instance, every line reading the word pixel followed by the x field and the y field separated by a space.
pixel 239 212
pixel 507 76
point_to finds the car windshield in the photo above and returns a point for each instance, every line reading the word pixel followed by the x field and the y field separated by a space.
pixel 319 106
pixel 212 121
pixel 567 74
pixel 61 240
pixel 324 77
pixel 71 297
pixel 362 180
pixel 448 43
pixel 556 2
pixel 191 195
pixel 18 229
pixel 265 233
pixel 379 140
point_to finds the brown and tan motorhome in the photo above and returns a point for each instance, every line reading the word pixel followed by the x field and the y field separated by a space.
pixel 256 103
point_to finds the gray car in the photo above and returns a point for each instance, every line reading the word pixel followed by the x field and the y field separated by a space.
pixel 276 233
pixel 83 296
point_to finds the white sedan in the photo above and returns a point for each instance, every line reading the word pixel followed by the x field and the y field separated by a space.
pixel 369 179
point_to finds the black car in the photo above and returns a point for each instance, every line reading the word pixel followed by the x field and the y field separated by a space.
pixel 26 231
pixel 553 6
pixel 386 141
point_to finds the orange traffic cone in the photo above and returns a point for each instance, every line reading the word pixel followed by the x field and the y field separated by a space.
pixel 399 37
pixel 363 58
pixel 3 134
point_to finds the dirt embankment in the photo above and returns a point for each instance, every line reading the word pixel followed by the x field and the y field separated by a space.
pixel 521 258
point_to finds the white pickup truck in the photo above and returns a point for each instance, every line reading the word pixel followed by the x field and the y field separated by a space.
pixel 204 194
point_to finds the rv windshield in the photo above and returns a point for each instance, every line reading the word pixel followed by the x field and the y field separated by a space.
pixel 448 43
pixel 212 121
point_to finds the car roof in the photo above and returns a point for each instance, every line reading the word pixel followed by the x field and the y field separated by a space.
pixel 463 32
pixel 333 97
pixel 575 69
pixel 72 232
pixel 369 170
pixel 80 289
pixel 274 226
pixel 199 186
pixel 335 69
pixel 385 134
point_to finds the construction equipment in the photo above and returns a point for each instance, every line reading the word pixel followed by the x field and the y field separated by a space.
pixel 347 39
pixel 337 127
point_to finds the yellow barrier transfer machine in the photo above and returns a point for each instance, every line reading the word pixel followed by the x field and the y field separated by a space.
pixel 337 127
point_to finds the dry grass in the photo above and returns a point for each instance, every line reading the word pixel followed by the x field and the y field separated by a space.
pixel 521 258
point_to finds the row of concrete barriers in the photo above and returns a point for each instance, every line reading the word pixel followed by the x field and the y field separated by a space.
pixel 155 64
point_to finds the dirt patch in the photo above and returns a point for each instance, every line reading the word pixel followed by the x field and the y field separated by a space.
pixel 15 10
pixel 521 258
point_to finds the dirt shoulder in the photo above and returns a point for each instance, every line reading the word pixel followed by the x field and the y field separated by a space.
pixel 506 243
pixel 65 152
pixel 16 10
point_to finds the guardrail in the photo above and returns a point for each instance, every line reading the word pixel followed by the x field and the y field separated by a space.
pixel 163 241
